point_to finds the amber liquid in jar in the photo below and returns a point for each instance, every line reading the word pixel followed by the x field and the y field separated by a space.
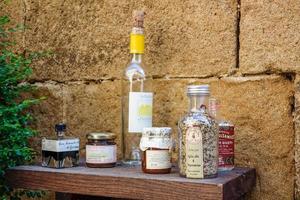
pixel 154 171
pixel 102 142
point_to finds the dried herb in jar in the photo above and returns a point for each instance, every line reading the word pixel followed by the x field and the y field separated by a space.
pixel 198 137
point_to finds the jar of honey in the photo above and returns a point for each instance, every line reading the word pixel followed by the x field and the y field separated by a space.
pixel 101 150
pixel 156 145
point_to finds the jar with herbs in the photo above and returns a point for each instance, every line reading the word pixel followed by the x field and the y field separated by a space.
pixel 101 150
pixel 156 145
pixel 198 137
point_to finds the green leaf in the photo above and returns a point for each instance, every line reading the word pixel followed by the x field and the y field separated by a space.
pixel 15 118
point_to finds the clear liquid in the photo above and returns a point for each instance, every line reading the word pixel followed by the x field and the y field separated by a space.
pixel 134 80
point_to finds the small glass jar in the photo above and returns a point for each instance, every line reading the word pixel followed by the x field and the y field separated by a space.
pixel 156 145
pixel 101 150
pixel 198 137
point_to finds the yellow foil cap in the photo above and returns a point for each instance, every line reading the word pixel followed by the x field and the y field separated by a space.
pixel 137 43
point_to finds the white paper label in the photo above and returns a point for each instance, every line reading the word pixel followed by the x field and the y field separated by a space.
pixel 194 153
pixel 158 159
pixel 101 154
pixel 140 111
pixel 60 145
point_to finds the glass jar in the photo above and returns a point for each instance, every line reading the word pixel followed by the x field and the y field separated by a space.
pixel 198 137
pixel 101 150
pixel 156 146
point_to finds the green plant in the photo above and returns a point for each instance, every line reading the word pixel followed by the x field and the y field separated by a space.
pixel 14 117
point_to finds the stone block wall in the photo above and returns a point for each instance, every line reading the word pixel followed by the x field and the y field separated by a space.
pixel 247 50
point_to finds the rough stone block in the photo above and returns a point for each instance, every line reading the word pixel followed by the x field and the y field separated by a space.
pixel 297 136
pixel 269 39
pixel 84 107
pixel 90 39
pixel 93 107
pixel 47 113
pixel 260 107
pixel 15 11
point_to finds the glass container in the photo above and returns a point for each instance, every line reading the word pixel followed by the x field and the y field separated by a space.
pixel 101 150
pixel 156 145
pixel 198 137
pixel 137 97
pixel 226 137
pixel 60 151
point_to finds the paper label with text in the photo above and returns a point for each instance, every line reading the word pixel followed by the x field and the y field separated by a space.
pixel 194 153
pixel 101 154
pixel 140 111
pixel 158 159
pixel 60 145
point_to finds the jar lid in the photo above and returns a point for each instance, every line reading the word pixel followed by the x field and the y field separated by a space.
pixel 100 136
pixel 156 137
pixel 157 132
pixel 198 89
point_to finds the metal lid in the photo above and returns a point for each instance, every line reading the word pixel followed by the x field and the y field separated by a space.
pixel 198 89
pixel 101 136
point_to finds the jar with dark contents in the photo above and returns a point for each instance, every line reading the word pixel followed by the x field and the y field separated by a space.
pixel 156 145
pixel 101 150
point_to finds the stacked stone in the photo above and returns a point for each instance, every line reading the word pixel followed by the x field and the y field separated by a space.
pixel 248 51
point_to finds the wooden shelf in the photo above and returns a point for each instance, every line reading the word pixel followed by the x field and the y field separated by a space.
pixel 131 183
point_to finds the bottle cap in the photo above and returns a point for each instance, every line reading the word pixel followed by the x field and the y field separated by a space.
pixel 137 38
pixel 61 127
pixel 198 89
pixel 138 18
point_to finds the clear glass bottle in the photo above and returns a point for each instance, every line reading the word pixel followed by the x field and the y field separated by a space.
pixel 198 137
pixel 226 137
pixel 137 97
pixel 60 151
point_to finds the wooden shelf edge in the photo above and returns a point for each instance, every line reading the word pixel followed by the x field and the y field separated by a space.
pixel 133 185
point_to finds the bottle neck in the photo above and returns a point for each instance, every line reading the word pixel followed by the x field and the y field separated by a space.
pixel 213 108
pixel 136 58
pixel 60 134
pixel 198 103
pixel 137 41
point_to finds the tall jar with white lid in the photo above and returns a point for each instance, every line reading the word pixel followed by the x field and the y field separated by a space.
pixel 156 145
pixel 198 137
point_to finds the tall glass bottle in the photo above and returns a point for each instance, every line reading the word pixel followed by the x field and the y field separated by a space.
pixel 226 137
pixel 137 97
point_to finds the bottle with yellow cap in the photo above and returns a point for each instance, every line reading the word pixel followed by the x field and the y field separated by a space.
pixel 137 97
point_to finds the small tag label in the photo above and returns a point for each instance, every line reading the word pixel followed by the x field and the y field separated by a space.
pixel 226 147
pixel 101 154
pixel 60 145
pixel 194 153
pixel 158 159
pixel 140 111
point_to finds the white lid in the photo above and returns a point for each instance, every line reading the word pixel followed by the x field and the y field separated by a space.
pixel 156 137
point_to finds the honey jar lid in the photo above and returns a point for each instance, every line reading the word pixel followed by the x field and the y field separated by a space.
pixel 101 136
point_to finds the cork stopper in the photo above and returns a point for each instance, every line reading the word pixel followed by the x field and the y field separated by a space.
pixel 138 18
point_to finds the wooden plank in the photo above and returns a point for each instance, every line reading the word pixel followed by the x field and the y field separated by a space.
pixel 131 183
pixel 239 186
